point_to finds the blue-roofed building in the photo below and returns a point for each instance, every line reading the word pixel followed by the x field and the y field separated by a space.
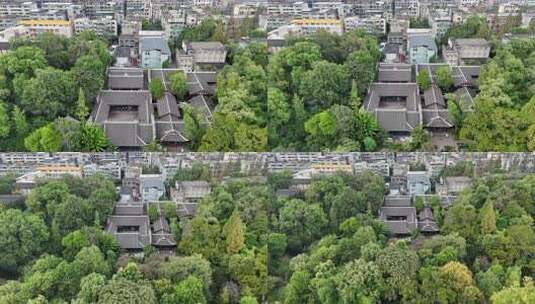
pixel 153 51
pixel 418 182
pixel 421 47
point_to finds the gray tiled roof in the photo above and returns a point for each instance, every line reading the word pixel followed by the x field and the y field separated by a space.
pixel 436 118
pixel 378 90
pixel 131 128
pixel 397 201
pixel 409 212
pixel 151 181
pixel 466 96
pixel 471 74
pixel 202 104
pixel 433 96
pixel 154 43
pixel 422 40
pixel 167 105
pixel 397 120
pixel 394 72
pixel 417 176
pixel 399 227
pixel 161 226
pixel 471 42
pixel 217 46
pixel 125 79
pixel 137 239
pixel 140 99
pixel 426 221
pixel 171 131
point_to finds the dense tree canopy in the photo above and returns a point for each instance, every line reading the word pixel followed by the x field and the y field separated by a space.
pixel 41 82
pixel 247 244
pixel 314 90
pixel 480 256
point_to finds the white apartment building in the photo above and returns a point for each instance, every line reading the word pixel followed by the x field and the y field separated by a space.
pixel 203 2
pixel 244 11
pixel 375 24
pixel 173 22
pixel 105 26
pixel 295 9
pixel 440 21
pixel 468 3
pixel 409 8
pixel 17 9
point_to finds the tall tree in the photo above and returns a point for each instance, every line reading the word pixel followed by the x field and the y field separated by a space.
pixel 81 106
pixel 91 138
pixel 156 89
pixel 234 232
pixel 179 85
pixel 488 218
pixel 5 123
pixel 423 80
pixel 444 78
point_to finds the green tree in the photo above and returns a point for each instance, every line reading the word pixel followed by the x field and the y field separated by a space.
pixel 423 80
pixel 248 300
pixel 189 291
pixel 156 89
pixel 194 126
pixel 234 232
pixel 24 60
pixel 359 282
pixel 494 128
pixel 444 78
pixel 22 237
pixel 202 235
pixel 297 290
pixel 520 295
pixel 361 65
pixel 249 269
pixel 491 281
pixel 7 183
pixel 301 222
pixel 399 266
pixel 20 123
pixel 90 287
pixel 81 106
pixel 89 70
pixel 154 146
pixel 488 218
pixel 179 86
pixel 250 138
pixel 73 243
pixel 46 138
pixel 322 129
pixel 51 93
pixel 120 290
pixel 324 85
pixel 5 123
pixel 91 138
pixel 460 283
pixel 420 139
pixel 179 268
